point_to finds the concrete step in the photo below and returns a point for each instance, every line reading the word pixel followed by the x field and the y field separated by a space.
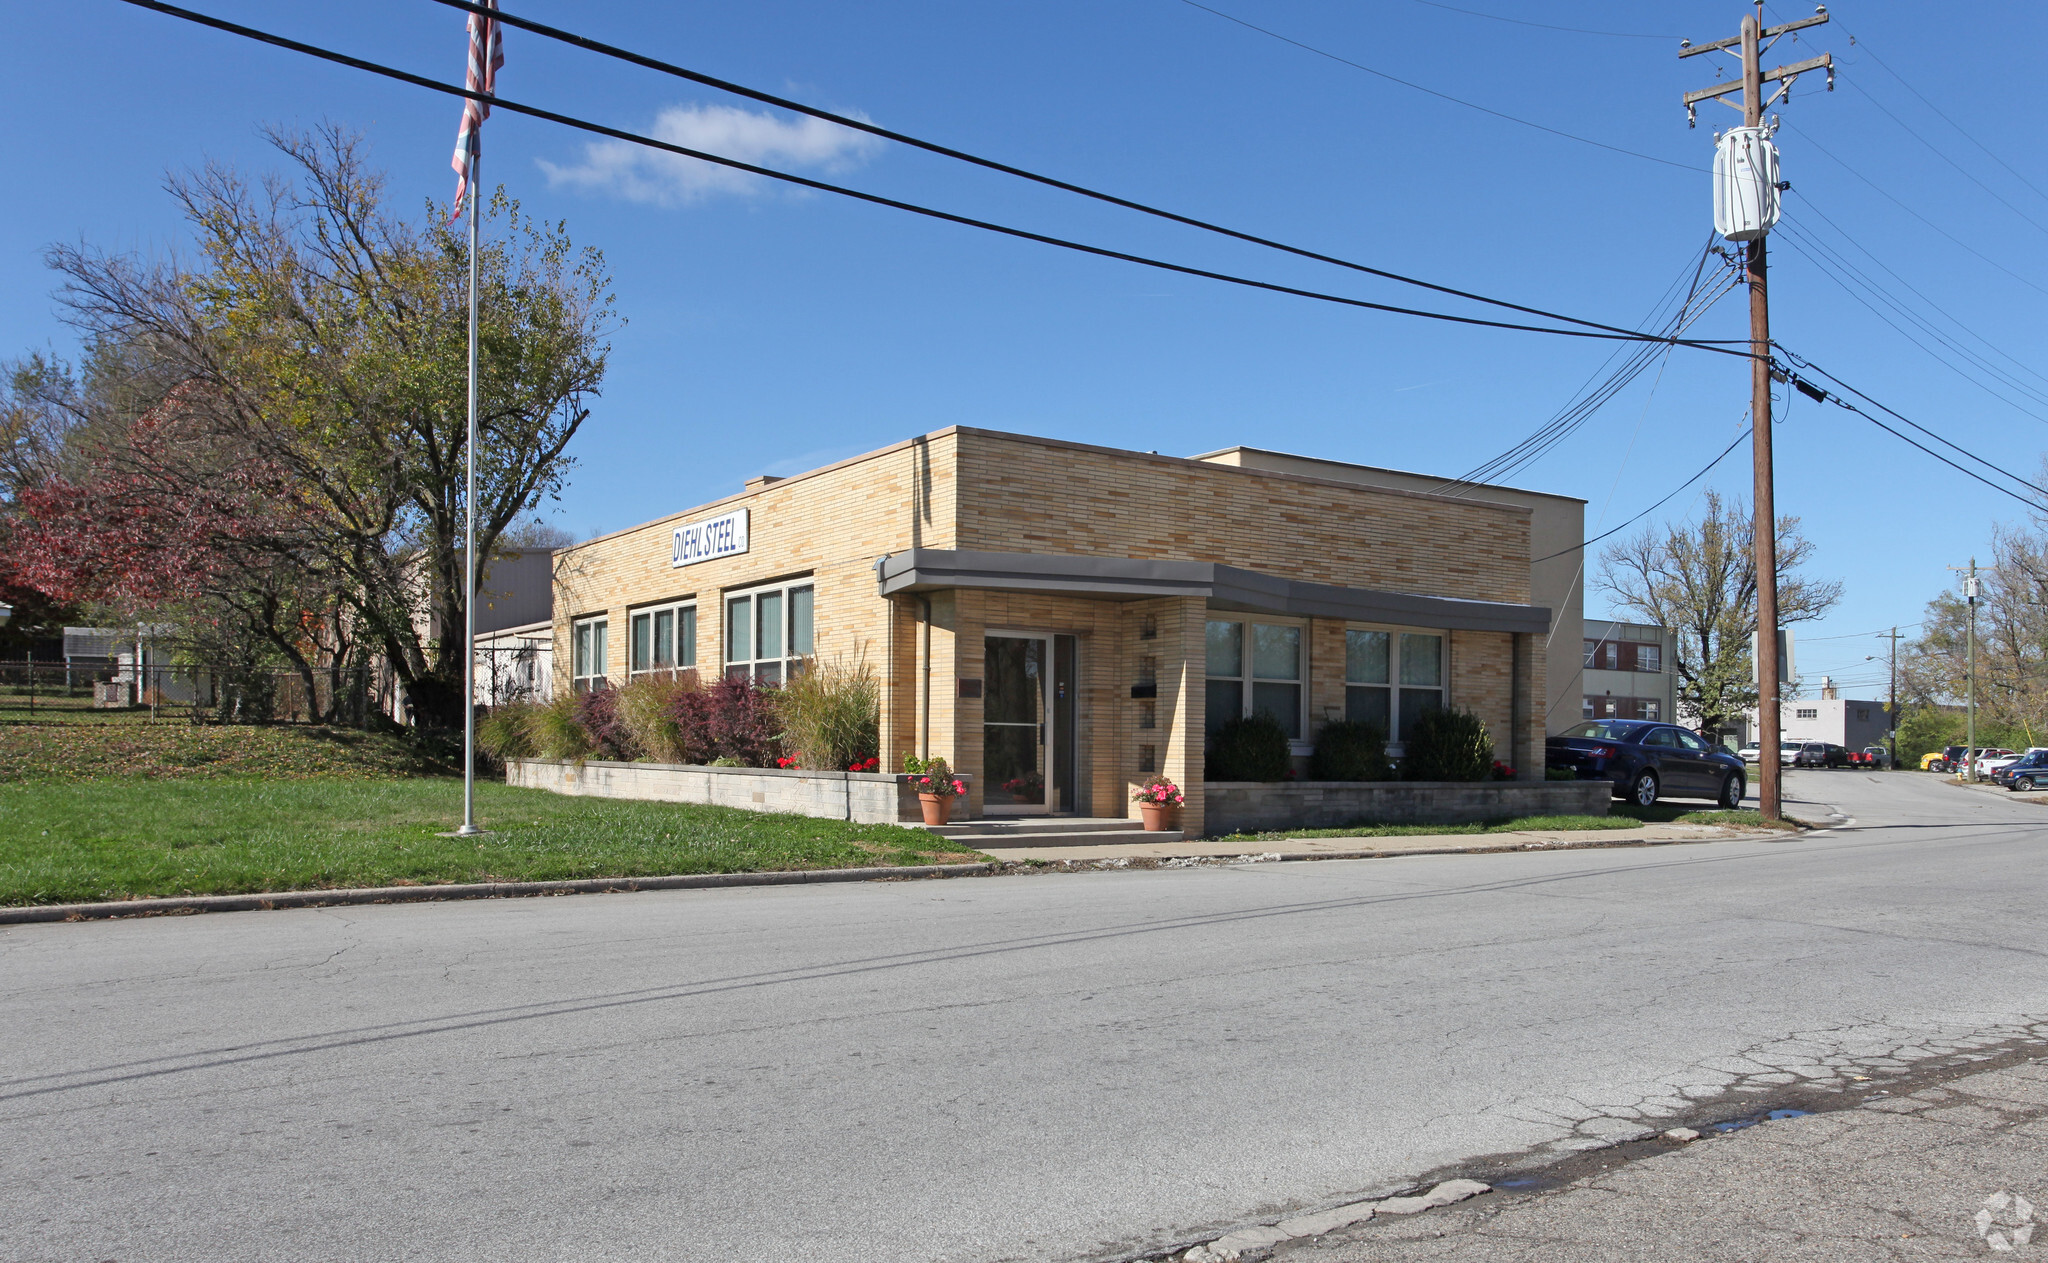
pixel 1034 826
pixel 1035 831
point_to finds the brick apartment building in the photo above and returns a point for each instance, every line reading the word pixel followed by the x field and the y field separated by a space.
pixel 1059 620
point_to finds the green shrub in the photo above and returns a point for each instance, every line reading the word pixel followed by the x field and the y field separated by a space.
pixel 505 733
pixel 1251 748
pixel 554 732
pixel 645 707
pixel 832 714
pixel 1560 774
pixel 1448 745
pixel 1350 752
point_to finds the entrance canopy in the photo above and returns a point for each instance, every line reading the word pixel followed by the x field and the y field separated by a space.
pixel 1222 587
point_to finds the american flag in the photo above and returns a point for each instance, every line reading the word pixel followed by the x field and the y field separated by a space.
pixel 486 55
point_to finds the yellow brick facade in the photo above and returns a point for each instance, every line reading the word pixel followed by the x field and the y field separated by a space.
pixel 978 490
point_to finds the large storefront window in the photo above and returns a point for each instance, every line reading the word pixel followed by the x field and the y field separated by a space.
pixel 664 639
pixel 768 632
pixel 1255 667
pixel 1392 678
pixel 587 654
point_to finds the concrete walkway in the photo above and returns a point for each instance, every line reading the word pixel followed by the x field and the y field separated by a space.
pixel 1365 847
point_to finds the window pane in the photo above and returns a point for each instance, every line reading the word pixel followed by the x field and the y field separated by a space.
pixel 1369 706
pixel 1415 703
pixel 768 633
pixel 1276 652
pixel 1226 649
pixel 598 665
pixel 686 638
pixel 1282 702
pixel 643 643
pixel 665 638
pixel 580 653
pixel 1422 659
pixel 768 673
pixel 1649 657
pixel 1365 657
pixel 1226 702
pixel 739 624
pixel 799 621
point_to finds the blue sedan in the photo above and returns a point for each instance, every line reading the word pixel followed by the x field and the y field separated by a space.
pixel 1646 761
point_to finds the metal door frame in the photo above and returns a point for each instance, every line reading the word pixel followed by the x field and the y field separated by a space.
pixel 1047 727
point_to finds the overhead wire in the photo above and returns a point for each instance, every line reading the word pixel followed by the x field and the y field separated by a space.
pixel 1821 394
pixel 1599 388
pixel 600 129
pixel 586 43
pixel 1704 470
pixel 1545 26
pixel 1834 269
pixel 1882 192
pixel 1936 150
pixel 1445 96
pixel 1806 201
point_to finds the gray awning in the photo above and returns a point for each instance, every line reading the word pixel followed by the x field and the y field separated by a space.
pixel 1222 587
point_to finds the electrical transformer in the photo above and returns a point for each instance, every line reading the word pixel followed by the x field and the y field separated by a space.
pixel 1745 183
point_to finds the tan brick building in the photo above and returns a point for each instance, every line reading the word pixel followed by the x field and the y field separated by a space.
pixel 1059 621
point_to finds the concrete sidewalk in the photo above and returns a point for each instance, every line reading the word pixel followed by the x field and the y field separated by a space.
pixel 1367 847
pixel 1953 1171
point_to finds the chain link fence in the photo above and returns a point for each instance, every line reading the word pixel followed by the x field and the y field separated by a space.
pixel 356 697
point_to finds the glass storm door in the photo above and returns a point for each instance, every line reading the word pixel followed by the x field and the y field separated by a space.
pixel 1014 732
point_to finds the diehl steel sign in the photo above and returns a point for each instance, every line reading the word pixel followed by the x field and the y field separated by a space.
pixel 710 539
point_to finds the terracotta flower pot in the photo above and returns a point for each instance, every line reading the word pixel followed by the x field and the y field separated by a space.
pixel 938 808
pixel 1158 816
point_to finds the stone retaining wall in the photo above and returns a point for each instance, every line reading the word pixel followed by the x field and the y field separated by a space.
pixel 1253 806
pixel 862 797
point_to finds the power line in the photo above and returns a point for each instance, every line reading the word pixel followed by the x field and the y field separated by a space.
pixel 861 125
pixel 1829 154
pixel 1806 199
pixel 498 102
pixel 1870 53
pixel 1806 247
pixel 1444 96
pixel 1936 150
pixel 1821 394
pixel 1704 471
pixel 1545 26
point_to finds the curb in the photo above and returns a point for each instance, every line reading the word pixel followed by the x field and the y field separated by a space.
pixel 473 890
pixel 275 900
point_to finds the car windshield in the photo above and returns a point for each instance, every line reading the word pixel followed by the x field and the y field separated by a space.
pixel 1603 730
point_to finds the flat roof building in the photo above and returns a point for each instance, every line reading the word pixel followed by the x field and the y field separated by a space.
pixel 1060 620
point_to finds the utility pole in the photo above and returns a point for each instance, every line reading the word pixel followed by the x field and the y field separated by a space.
pixel 1770 782
pixel 1970 694
pixel 1892 729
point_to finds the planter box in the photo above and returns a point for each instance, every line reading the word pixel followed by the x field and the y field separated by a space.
pixel 1254 806
pixel 862 797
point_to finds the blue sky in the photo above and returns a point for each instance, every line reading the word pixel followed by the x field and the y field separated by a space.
pixel 771 331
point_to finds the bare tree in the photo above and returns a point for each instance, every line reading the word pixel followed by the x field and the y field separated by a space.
pixel 1700 581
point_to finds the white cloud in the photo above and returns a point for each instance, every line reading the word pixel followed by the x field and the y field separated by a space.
pixel 640 174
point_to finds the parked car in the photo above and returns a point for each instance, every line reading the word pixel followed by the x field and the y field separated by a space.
pixel 2026 772
pixel 1946 759
pixel 1990 760
pixel 1648 761
pixel 1810 754
pixel 1788 753
pixel 1834 755
pixel 1751 753
pixel 1862 759
pixel 2028 768
pixel 1877 757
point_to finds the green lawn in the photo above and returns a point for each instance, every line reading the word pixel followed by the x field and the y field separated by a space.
pixel 1626 816
pixel 84 744
pixel 64 841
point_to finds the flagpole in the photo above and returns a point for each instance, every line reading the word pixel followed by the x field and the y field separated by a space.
pixel 469 826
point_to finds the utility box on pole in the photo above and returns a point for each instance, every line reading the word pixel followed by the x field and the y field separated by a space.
pixel 1746 196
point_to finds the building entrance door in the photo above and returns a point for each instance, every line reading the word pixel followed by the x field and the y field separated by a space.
pixel 1018 743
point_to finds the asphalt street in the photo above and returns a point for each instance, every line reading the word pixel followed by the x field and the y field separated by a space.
pixel 1050 1067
